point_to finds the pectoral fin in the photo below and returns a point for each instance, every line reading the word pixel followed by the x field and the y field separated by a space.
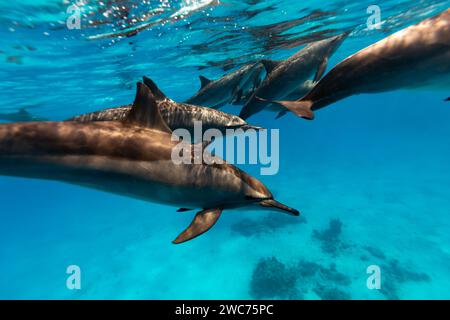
pixel 203 221
pixel 218 106
pixel 281 114
pixel 237 96
pixel 321 70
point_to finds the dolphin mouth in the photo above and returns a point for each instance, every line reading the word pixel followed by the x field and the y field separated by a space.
pixel 270 203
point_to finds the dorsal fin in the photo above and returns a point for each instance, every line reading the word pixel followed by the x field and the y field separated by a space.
pixel 145 110
pixel 23 111
pixel 157 93
pixel 204 81
pixel 270 65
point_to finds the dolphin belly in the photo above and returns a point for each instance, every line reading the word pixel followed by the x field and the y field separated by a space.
pixel 158 181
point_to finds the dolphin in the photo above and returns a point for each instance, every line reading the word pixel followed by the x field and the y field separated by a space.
pixel 302 90
pixel 176 115
pixel 249 86
pixel 22 115
pixel 284 77
pixel 417 57
pixel 229 88
pixel 132 158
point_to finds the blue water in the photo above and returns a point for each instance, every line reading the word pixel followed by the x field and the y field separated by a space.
pixel 377 163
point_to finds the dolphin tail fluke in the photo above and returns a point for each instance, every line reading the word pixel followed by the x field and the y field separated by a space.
pixel 203 221
pixel 299 108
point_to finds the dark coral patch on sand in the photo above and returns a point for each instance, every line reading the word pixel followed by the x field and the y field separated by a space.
pixel 272 279
pixel 333 293
pixel 377 253
pixel 393 274
pixel 330 238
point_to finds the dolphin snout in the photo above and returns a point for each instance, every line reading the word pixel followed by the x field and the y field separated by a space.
pixel 270 203
pixel 337 40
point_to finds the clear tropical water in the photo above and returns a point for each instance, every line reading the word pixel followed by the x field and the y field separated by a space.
pixel 379 164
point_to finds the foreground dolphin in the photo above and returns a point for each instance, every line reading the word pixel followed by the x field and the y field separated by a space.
pixel 132 158
pixel 229 88
pixel 415 57
pixel 284 77
pixel 176 115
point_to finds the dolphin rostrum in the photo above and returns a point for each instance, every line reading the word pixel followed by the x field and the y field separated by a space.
pixel 228 89
pixel 176 115
pixel 284 77
pixel 133 158
pixel 413 58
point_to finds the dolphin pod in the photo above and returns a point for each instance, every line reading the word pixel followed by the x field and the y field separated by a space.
pixel 132 157
pixel 284 77
pixel 228 89
pixel 128 150
pixel 176 115
pixel 413 58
